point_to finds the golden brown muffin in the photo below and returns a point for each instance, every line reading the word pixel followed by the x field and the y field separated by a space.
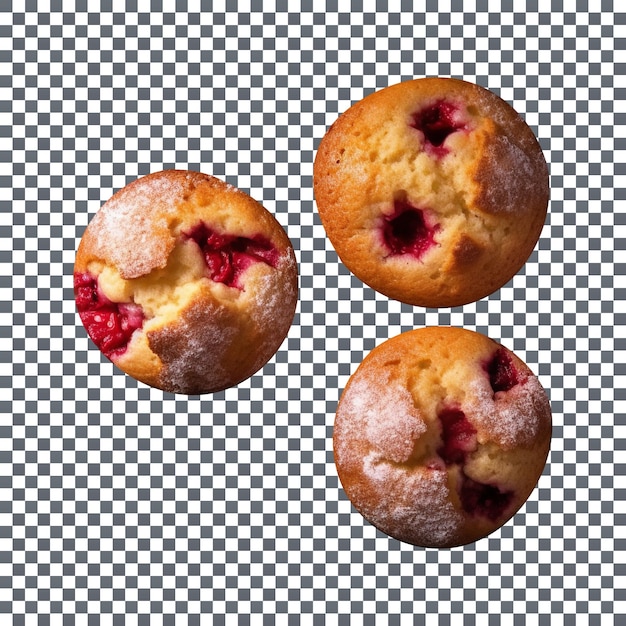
pixel 440 436
pixel 185 282
pixel 432 191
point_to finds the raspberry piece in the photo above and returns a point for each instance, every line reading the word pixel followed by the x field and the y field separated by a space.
pixel 483 499
pixel 109 324
pixel 86 291
pixel 406 230
pixel 228 256
pixel 458 439
pixel 502 374
pixel 458 436
pixel 436 123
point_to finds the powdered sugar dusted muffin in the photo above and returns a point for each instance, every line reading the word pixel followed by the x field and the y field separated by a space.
pixel 433 191
pixel 185 282
pixel 440 436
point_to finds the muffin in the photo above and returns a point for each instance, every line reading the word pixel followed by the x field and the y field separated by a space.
pixel 440 436
pixel 433 191
pixel 185 282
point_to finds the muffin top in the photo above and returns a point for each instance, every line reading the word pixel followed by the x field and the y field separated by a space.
pixel 433 191
pixel 185 282
pixel 440 436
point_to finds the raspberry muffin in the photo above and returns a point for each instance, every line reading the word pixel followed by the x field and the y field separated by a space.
pixel 432 191
pixel 440 436
pixel 185 282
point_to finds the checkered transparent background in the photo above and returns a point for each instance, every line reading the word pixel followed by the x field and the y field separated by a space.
pixel 123 504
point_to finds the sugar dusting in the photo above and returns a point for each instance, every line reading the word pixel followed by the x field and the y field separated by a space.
pixel 199 366
pixel 131 230
pixel 512 173
pixel 501 189
pixel 271 299
pixel 413 505
pixel 384 414
pixel 196 348
pixel 510 418
pixel 403 498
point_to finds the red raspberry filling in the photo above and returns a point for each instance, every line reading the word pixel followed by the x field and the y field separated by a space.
pixel 502 374
pixel 484 500
pixel 228 256
pixel 436 123
pixel 109 324
pixel 458 439
pixel 406 230
pixel 458 435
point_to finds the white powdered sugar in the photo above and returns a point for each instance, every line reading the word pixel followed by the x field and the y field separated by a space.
pixel 201 362
pixel 272 292
pixel 508 173
pixel 196 348
pixel 509 418
pixel 132 229
pixel 377 431
pixel 384 414
pixel 269 299
pixel 412 504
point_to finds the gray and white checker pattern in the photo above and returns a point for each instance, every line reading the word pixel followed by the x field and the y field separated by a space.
pixel 122 504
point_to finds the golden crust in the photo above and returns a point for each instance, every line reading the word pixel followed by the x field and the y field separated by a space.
pixel 492 187
pixel 199 336
pixel 388 435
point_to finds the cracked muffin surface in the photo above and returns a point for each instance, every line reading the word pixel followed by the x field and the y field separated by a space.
pixel 440 436
pixel 433 191
pixel 185 282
